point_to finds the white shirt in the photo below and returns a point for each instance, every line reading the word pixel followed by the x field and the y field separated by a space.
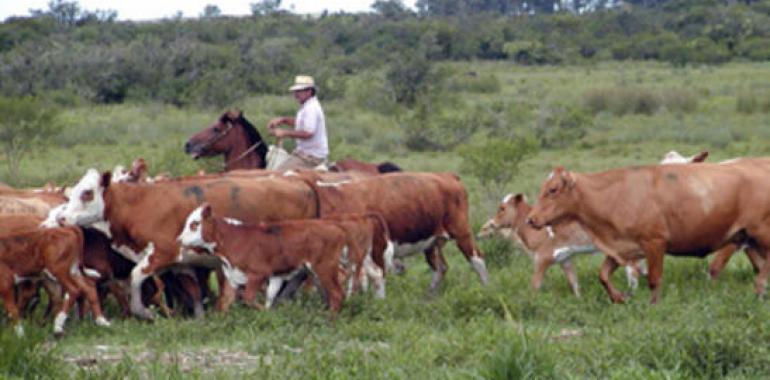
pixel 310 118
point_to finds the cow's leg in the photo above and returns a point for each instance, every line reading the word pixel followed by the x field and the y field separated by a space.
pixel 289 287
pixel 605 276
pixel 226 297
pixel 632 276
pixel 27 296
pixel 654 252
pixel 757 261
pixel 463 237
pixel 274 285
pixel 149 265
pixel 377 275
pixel 71 293
pixel 251 288
pixel 9 300
pixel 437 263
pixel 87 288
pixel 330 285
pixel 721 257
pixel 189 284
pixel 55 295
pixel 119 290
pixel 541 265
pixel 569 272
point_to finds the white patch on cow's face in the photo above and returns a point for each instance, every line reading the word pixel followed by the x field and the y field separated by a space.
pixel 86 205
pixel 549 230
pixel 550 175
pixel 192 234
pixel 52 219
pixel 507 198
pixel 290 173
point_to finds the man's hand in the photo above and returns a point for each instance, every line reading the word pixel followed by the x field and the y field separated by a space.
pixel 275 122
pixel 277 132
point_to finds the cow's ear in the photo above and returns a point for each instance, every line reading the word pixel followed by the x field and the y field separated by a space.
pixel 106 178
pixel 206 212
pixel 518 198
pixel 569 178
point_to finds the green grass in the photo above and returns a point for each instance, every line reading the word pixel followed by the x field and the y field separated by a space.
pixel 699 329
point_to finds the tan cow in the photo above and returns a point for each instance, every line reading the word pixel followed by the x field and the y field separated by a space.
pixel 685 210
pixel 145 219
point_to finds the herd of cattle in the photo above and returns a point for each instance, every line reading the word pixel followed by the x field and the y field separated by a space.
pixel 156 240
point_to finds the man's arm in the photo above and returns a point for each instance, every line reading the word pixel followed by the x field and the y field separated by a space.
pixel 278 121
pixel 281 133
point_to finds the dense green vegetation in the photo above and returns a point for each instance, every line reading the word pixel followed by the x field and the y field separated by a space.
pixel 500 96
pixel 699 330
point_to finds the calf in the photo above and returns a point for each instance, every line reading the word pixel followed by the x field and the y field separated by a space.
pixel 546 248
pixel 251 254
pixel 54 251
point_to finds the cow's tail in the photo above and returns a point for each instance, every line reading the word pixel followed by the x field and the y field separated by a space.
pixel 384 258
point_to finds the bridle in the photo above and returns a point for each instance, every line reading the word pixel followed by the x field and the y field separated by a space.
pixel 221 135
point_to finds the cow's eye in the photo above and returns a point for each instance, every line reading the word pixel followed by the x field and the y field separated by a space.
pixel 87 196
pixel 216 129
pixel 553 190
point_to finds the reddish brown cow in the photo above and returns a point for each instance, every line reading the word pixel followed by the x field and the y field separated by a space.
pixel 29 202
pixel 147 217
pixel 648 211
pixel 253 253
pixel 422 211
pixel 57 251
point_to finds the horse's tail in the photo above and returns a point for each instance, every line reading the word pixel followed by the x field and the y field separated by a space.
pixel 388 167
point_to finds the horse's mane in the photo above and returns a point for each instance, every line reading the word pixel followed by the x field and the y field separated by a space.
pixel 253 135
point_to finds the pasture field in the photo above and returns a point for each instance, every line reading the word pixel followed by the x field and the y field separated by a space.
pixel 466 331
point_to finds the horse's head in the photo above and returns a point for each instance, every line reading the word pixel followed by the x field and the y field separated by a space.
pixel 216 139
pixel 233 136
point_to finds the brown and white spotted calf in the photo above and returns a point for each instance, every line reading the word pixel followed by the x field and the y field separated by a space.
pixel 46 251
pixel 251 254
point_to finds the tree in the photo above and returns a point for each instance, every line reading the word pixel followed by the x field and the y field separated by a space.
pixel 390 9
pixel 211 11
pixel 265 7
pixel 24 123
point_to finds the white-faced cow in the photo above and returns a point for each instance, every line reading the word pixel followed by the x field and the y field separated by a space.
pixel 145 219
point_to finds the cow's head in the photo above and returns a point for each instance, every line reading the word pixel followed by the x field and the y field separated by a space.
pixel 556 200
pixel 511 214
pixel 86 203
pixel 198 231
pixel 674 157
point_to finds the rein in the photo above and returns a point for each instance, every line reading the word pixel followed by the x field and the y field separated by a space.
pixel 219 136
pixel 242 155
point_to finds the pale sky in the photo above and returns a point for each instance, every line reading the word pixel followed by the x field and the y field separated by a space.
pixel 156 9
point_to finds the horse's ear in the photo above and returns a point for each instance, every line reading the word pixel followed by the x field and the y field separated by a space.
pixel 234 114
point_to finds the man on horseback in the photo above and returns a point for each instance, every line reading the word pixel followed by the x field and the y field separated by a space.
pixel 312 147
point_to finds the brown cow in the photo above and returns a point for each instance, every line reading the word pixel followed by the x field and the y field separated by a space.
pixel 686 210
pixel 15 201
pixel 146 218
pixel 253 253
pixel 57 251
pixel 422 210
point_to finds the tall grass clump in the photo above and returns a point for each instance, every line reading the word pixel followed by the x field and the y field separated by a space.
pixel 753 102
pixel 25 358
pixel 517 358
pixel 640 100
pixel 474 82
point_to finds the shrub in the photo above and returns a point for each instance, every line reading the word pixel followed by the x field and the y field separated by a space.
pixel 473 82
pixel 495 160
pixel 639 100
pixel 560 126
pixel 749 101
pixel 24 122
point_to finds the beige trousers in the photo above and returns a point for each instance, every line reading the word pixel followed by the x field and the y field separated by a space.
pixel 298 160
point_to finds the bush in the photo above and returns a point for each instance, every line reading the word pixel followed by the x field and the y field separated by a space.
pixel 560 126
pixel 471 81
pixel 639 100
pixel 24 122
pixel 749 101
pixel 495 160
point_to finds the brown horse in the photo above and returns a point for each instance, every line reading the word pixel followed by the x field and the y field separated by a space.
pixel 233 136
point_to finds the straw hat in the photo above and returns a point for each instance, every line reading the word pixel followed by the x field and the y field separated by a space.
pixel 302 82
